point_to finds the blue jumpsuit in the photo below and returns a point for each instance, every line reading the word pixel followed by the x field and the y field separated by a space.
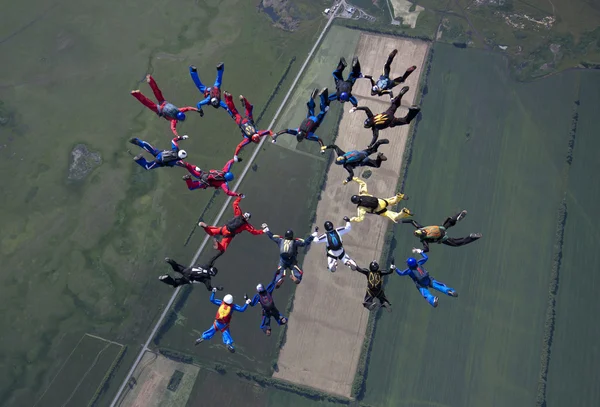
pixel 268 308
pixel 311 120
pixel 288 260
pixel 206 91
pixel 224 328
pixel 345 85
pixel 160 156
pixel 423 280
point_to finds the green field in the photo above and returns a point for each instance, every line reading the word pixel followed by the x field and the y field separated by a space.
pixel 574 354
pixel 94 247
pixel 81 374
pixel 284 196
pixel 489 145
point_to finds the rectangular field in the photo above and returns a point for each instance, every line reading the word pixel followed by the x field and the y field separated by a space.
pixel 327 325
pixel 282 191
pixel 575 354
pixel 81 374
pixel 489 145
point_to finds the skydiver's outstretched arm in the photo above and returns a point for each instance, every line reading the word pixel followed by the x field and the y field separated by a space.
pixel 255 300
pixel 214 300
pixel 225 188
pixel 353 101
pixel 271 287
pixel 366 110
pixel 423 259
pixel 425 246
pixel 206 282
pixel 228 165
pixel 375 135
pixel 403 272
pixel 293 132
pixel 240 309
pixel 350 169
pixel 370 78
pixel 342 230
pixel 187 109
pixel 387 273
pixel 275 238
pixel 362 271
pixel 236 206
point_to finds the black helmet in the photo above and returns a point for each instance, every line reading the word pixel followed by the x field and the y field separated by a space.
pixel 289 234
pixel 374 266
pixel 368 123
pixel 301 136
pixel 355 199
pixel 328 226
pixel 213 271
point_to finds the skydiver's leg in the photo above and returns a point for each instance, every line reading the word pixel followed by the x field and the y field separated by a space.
pixel 311 107
pixel 338 150
pixel 388 64
pixel 194 74
pixel 231 106
pixel 431 299
pixel 402 79
pixel 374 146
pixel 168 280
pixel 461 241
pixel 355 73
pixel 400 121
pixel 338 73
pixel 280 319
pixel 382 298
pixel 372 163
pixel 175 266
pixel 265 323
pixel 224 243
pixel 148 165
pixel 394 199
pixel 209 333
pixel 157 93
pixel 242 144
pixel 296 274
pixel 219 79
pixel 368 301
pixel 396 216
pixel 347 260
pixel 453 220
pixel 145 101
pixel 248 108
pixel 193 184
pixel 394 104
pixel 212 230
pixel 324 101
pixel 331 264
pixel 443 288
pixel 228 340
pixel 145 145
pixel 279 276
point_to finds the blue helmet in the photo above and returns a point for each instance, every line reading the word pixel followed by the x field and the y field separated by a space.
pixel 180 116
pixel 344 97
pixel 411 262
pixel 228 176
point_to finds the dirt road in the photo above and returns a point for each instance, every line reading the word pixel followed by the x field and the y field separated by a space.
pixel 327 325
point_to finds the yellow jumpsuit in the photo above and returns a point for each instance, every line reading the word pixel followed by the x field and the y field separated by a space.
pixel 383 204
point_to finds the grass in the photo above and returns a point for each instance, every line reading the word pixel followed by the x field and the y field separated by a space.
pixel 94 247
pixel 574 356
pixel 488 146
pixel 269 187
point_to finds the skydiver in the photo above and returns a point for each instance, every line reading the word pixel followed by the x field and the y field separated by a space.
pixel 423 280
pixel 344 87
pixel 264 296
pixel 234 226
pixel 163 108
pixel 375 286
pixel 162 158
pixel 211 94
pixel 386 119
pixel 191 275
pixel 212 178
pixel 288 254
pixel 246 125
pixel 311 123
pixel 437 234
pixel 334 245
pixel 367 203
pixel 384 84
pixel 223 318
pixel 355 158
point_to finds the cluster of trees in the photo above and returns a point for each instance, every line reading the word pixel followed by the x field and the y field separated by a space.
pixel 573 132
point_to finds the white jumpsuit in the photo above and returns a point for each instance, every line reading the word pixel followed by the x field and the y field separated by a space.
pixel 340 254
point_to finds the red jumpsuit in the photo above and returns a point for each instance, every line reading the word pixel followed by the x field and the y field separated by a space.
pixel 246 124
pixel 212 178
pixel 162 103
pixel 228 234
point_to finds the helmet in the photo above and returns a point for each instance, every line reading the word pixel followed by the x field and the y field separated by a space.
pixel 344 97
pixel 214 102
pixel 247 215
pixel 180 116
pixel 301 136
pixel 181 154
pixel 228 299
pixel 375 88
pixel 368 123
pixel 374 266
pixel 355 199
pixel 213 271
pixel 419 232
pixel 255 138
pixel 411 262
pixel 228 176
pixel 289 234
pixel 260 288
pixel 328 226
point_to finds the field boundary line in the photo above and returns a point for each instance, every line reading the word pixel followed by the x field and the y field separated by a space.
pixel 105 340
pixel 219 215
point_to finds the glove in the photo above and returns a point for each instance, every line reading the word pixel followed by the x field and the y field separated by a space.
pixel 415 250
pixel 404 197
pixel 264 226
pixel 273 141
pixel 347 219
pixel 316 229
pixel 344 182
pixel 201 112
pixel 352 110
pixel 242 196
pixel 214 290
pixel 185 137
pixel 393 266
pixel 248 302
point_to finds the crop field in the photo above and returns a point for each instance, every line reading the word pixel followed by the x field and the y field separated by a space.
pixel 81 373
pixel 574 354
pixel 489 145
pixel 284 196
pixel 92 234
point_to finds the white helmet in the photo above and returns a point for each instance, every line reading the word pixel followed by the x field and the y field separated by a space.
pixel 181 154
pixel 260 288
pixel 228 299
pixel 375 88
pixel 247 215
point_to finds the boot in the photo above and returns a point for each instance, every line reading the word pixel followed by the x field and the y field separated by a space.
pixel 138 157
pixel 133 141
pixel 193 68
pixel 314 93
pixel 403 91
pixel 199 341
pixel 461 215
pixel 342 64
pixel 475 235
pixel 220 66
pixel 452 293
pixel 393 53
pixel 381 157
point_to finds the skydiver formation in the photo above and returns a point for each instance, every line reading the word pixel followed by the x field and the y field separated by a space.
pixel 288 244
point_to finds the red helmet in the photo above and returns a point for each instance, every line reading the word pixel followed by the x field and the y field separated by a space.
pixel 255 138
